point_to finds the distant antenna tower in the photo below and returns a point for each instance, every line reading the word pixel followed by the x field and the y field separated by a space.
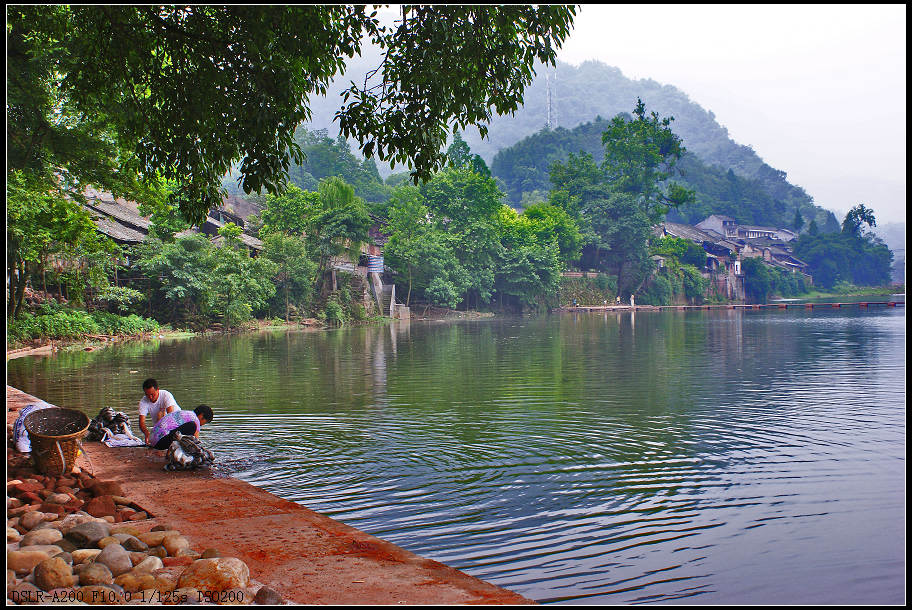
pixel 550 109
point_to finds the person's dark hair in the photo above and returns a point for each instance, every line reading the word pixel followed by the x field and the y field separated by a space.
pixel 150 383
pixel 205 411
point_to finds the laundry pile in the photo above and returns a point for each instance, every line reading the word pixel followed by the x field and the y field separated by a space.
pixel 113 429
pixel 187 453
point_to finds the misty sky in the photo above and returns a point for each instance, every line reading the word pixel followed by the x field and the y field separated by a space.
pixel 818 91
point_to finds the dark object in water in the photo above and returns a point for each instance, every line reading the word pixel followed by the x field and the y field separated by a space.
pixel 187 453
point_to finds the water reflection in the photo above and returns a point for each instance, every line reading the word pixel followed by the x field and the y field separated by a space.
pixel 703 456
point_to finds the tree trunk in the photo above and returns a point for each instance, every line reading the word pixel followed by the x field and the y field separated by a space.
pixel 286 301
pixel 13 286
pixel 408 297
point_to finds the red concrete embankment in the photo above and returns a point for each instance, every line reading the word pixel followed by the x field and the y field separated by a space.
pixel 307 557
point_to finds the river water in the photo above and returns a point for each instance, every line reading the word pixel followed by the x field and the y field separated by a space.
pixel 717 456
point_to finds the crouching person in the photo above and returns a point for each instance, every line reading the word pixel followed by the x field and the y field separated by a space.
pixel 186 423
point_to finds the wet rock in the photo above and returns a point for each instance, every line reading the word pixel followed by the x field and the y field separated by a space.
pixel 87 534
pixel 22 562
pixel 101 506
pixel 40 537
pixel 218 574
pixel 116 558
pixel 54 573
pixel 84 555
pixel 267 596
pixel 96 574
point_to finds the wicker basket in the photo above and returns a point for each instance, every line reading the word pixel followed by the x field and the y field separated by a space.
pixel 55 434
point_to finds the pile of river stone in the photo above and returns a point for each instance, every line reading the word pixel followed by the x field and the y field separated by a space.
pixel 75 552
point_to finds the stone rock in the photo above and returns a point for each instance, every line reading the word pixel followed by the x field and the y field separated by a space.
pixel 159 528
pixel 96 574
pixel 136 581
pixel 66 557
pixel 121 500
pixel 67 481
pixel 132 543
pixel 177 561
pixel 87 534
pixel 166 578
pixel 50 550
pixel 173 544
pixel 188 553
pixel 209 553
pixel 129 530
pixel 13 502
pixel 116 558
pixel 267 596
pixel 106 541
pixel 54 573
pixel 106 488
pixel 42 536
pixel 12 535
pixel 58 498
pixel 23 562
pixel 66 545
pixel 31 519
pixel 158 551
pixel 101 506
pixel 109 519
pixel 149 564
pixel 155 538
pixel 84 555
pixel 218 574
pixel 73 520
pixel 138 516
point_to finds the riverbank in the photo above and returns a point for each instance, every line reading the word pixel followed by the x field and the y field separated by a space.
pixel 305 556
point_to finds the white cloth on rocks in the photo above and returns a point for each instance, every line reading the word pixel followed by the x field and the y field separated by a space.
pixel 122 440
pixel 20 434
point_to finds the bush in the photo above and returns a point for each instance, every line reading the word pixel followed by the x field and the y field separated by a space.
pixel 53 321
pixel 334 313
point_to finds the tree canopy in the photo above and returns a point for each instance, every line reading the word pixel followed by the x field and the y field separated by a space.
pixel 183 92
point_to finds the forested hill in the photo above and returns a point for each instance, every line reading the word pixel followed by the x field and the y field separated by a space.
pixel 523 169
pixel 579 94
pixel 593 89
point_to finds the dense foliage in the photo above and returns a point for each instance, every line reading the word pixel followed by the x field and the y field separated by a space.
pixel 524 169
pixel 848 256
pixel 183 92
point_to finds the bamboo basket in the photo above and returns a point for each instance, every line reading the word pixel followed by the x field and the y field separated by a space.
pixel 55 435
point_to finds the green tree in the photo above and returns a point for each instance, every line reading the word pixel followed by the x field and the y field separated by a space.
pixel 337 222
pixel 183 92
pixel 799 220
pixel 640 156
pixel 855 217
pixel 294 268
pixel 287 213
pixel 42 222
pixel 758 282
pixel 240 284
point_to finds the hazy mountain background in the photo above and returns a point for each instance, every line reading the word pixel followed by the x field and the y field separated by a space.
pixel 583 94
